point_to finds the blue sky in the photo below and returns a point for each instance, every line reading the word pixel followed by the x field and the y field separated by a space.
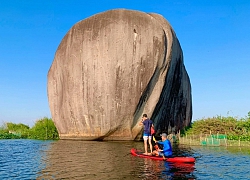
pixel 214 36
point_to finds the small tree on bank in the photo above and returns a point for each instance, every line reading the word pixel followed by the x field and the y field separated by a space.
pixel 44 129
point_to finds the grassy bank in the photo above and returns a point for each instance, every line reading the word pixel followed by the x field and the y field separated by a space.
pixel 218 131
pixel 44 129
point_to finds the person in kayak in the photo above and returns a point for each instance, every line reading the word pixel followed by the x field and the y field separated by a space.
pixel 167 148
pixel 146 133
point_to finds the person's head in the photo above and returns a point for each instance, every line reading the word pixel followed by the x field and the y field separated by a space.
pixel 164 136
pixel 144 116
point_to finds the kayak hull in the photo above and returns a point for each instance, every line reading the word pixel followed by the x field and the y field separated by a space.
pixel 139 153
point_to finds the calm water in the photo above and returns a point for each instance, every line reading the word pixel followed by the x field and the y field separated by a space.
pixel 31 159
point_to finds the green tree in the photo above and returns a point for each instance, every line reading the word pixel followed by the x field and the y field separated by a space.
pixel 16 127
pixel 20 129
pixel 234 128
pixel 4 133
pixel 44 129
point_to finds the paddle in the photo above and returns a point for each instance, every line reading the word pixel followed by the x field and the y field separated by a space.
pixel 162 153
pixel 163 156
pixel 154 139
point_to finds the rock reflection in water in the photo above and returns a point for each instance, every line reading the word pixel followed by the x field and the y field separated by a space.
pixel 87 160
pixel 104 160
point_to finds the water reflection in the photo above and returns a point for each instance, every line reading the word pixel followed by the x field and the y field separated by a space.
pixel 153 169
pixel 233 150
pixel 87 160
pixel 105 160
pixel 21 159
pixel 181 170
pixel 31 159
pixel 221 162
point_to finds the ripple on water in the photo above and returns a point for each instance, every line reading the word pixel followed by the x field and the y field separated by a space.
pixel 31 159
pixel 20 159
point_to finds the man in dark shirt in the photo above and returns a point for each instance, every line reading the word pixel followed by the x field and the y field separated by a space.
pixel 146 133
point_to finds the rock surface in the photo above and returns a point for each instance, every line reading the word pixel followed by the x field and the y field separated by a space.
pixel 111 68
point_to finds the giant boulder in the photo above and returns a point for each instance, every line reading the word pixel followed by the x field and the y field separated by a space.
pixel 111 68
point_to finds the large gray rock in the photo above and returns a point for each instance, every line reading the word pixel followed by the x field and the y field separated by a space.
pixel 111 68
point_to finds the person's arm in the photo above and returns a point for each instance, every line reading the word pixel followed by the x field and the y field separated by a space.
pixel 141 122
pixel 159 142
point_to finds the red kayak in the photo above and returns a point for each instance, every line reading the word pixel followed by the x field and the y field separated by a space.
pixel 139 153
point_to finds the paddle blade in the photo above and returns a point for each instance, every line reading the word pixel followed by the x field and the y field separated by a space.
pixel 154 139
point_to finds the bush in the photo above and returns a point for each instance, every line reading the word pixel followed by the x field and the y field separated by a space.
pixel 234 129
pixel 44 129
pixel 20 130
pixel 6 135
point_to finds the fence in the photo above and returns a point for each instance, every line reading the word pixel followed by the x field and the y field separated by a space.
pixel 211 140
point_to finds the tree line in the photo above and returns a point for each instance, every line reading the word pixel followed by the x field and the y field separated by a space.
pixel 232 127
pixel 44 129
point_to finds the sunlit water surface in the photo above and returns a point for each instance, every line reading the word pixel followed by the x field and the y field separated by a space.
pixel 32 159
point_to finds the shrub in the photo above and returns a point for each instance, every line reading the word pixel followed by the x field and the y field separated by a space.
pixel 20 130
pixel 234 129
pixel 44 129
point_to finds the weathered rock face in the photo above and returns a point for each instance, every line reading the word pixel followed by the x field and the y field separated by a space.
pixel 110 69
